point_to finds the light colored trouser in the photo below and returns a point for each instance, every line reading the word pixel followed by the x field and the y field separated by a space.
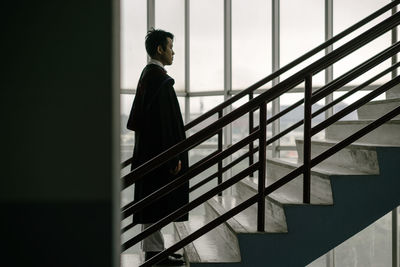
pixel 154 242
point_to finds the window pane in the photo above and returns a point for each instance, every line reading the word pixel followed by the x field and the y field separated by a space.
pixel 320 262
pixel 206 45
pixel 370 247
pixel 127 136
pixel 200 105
pixel 170 16
pixel 301 32
pixel 133 33
pixel 346 13
pixel 251 42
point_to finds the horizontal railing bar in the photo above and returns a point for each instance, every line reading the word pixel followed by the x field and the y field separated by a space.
pixel 347 110
pixel 184 178
pixel 291 64
pixel 188 207
pixel 279 89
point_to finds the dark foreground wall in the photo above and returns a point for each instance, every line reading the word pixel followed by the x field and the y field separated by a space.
pixel 56 133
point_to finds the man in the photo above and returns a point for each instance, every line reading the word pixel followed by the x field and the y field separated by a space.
pixel 157 121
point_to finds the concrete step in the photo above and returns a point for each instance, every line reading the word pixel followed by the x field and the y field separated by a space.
pixel 393 92
pixel 129 259
pixel 246 221
pixel 216 246
pixel 321 192
pixel 358 157
pixel 376 109
pixel 387 134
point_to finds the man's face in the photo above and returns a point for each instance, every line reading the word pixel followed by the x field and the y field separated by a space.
pixel 167 55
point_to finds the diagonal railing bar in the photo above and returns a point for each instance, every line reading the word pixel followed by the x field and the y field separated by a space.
pixel 271 188
pixel 188 207
pixel 267 96
pixel 357 71
pixel 357 135
pixel 331 104
pixel 224 169
pixel 292 64
pixel 203 230
pixel 184 178
pixel 290 128
pixel 126 163
pixel 342 80
pixel 128 227
pixel 356 89
pixel 347 110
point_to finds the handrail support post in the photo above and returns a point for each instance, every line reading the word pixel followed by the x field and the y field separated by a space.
pixel 262 168
pixel 251 129
pixel 307 140
pixel 220 150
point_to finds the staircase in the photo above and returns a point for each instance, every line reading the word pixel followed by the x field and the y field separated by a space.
pixel 293 210
pixel 349 191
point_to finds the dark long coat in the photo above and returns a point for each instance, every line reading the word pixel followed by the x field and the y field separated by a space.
pixel 157 121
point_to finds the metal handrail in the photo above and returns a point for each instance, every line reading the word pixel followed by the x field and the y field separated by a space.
pixel 267 96
pixel 271 188
pixel 260 102
pixel 313 130
pixel 284 69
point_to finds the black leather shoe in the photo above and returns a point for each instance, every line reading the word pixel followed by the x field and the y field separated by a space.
pixel 177 256
pixel 171 261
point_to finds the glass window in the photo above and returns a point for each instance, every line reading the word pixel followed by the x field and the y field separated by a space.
pixel 176 25
pixel 320 262
pixel 251 42
pixel 347 13
pixel 127 136
pixel 300 32
pixel 200 105
pixel 370 247
pixel 206 45
pixel 133 33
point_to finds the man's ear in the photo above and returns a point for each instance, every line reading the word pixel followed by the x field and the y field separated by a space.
pixel 160 50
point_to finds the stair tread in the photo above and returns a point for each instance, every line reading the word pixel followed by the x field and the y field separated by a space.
pixel 362 145
pixel 391 100
pixel 365 121
pixel 323 171
pixel 131 259
pixel 278 198
pixel 211 247
pixel 247 219
pixel 358 157
pixel 137 258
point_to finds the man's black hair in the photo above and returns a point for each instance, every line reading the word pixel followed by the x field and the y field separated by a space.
pixel 154 38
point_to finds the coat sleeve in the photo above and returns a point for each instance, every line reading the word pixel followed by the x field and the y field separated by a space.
pixel 170 115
